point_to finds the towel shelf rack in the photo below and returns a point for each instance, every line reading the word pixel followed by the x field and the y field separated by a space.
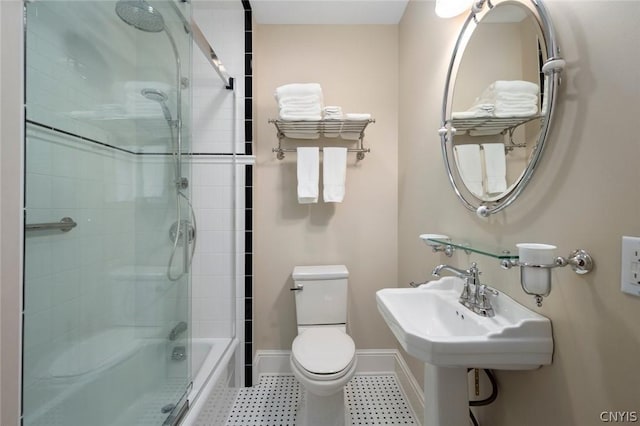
pixel 349 130
pixel 482 124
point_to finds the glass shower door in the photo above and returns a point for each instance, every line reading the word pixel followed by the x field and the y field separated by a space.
pixel 109 230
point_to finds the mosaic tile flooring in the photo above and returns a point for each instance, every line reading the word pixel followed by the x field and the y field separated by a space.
pixel 371 400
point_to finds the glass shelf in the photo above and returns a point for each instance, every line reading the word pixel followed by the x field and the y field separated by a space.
pixel 496 253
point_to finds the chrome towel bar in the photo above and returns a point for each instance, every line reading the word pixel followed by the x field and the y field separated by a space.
pixel 66 224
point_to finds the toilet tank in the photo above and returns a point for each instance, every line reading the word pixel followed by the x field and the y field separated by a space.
pixel 322 298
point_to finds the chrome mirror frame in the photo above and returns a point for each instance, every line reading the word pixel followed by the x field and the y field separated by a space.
pixel 552 69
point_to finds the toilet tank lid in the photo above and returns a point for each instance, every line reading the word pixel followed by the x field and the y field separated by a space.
pixel 319 272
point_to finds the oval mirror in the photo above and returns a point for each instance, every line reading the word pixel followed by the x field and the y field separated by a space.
pixel 498 103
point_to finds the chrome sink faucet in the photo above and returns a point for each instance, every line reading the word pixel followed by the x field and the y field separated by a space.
pixel 477 301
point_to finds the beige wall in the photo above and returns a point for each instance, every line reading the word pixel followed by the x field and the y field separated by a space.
pixel 585 194
pixel 11 72
pixel 357 67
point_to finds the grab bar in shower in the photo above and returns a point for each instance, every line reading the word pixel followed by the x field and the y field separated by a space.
pixel 66 224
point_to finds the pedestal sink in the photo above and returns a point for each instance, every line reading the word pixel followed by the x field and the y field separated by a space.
pixel 433 326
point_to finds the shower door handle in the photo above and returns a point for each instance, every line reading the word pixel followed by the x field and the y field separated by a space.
pixel 66 224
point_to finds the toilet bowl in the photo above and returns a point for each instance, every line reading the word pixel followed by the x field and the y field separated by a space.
pixel 323 356
pixel 323 361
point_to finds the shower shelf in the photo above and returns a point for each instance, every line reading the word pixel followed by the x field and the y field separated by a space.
pixel 482 124
pixel 347 130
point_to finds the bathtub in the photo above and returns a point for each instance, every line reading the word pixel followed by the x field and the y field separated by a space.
pixel 82 378
pixel 89 368
pixel 210 359
pixel 205 357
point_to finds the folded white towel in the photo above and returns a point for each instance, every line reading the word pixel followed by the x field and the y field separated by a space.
pixel 300 117
pixel 357 116
pixel 483 107
pixel 470 167
pixel 301 111
pixel 304 134
pixel 300 101
pixel 308 171
pixel 513 112
pixel 471 114
pixel 517 96
pixel 514 86
pixel 524 105
pixel 334 170
pixel 495 167
pixel 332 113
pixel 333 116
pixel 332 129
pixel 297 90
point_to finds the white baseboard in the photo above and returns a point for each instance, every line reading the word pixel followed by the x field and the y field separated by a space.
pixel 370 361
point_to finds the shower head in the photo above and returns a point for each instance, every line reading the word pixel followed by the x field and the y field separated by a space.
pixel 160 97
pixel 154 95
pixel 141 15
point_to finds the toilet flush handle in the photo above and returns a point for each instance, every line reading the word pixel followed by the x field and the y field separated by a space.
pixel 296 288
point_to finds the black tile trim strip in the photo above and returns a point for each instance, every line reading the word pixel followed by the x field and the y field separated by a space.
pixel 248 375
pixel 84 138
pixel 106 145
pixel 248 275
pixel 248 193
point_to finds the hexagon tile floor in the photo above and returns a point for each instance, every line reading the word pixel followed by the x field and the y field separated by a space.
pixel 371 400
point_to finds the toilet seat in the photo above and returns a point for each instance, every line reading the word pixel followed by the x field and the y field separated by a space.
pixel 322 377
pixel 323 353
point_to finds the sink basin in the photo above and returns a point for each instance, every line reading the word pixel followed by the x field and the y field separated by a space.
pixel 431 325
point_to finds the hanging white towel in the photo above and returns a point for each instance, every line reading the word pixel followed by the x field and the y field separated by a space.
pixel 495 166
pixel 334 170
pixel 308 174
pixel 470 167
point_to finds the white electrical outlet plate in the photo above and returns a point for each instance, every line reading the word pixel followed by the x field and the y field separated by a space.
pixel 630 273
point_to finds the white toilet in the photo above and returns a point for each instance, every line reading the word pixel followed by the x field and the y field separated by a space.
pixel 323 356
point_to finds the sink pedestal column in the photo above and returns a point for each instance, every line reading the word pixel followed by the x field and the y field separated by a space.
pixel 446 396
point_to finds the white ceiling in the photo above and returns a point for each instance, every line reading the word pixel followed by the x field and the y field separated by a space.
pixel 328 11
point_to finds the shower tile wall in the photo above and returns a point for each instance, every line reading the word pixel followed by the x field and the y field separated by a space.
pixel 214 277
pixel 66 275
pixel 220 162
pixel 76 76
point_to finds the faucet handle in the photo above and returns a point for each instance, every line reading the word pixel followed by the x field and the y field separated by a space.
pixel 473 274
pixel 483 303
pixel 485 288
